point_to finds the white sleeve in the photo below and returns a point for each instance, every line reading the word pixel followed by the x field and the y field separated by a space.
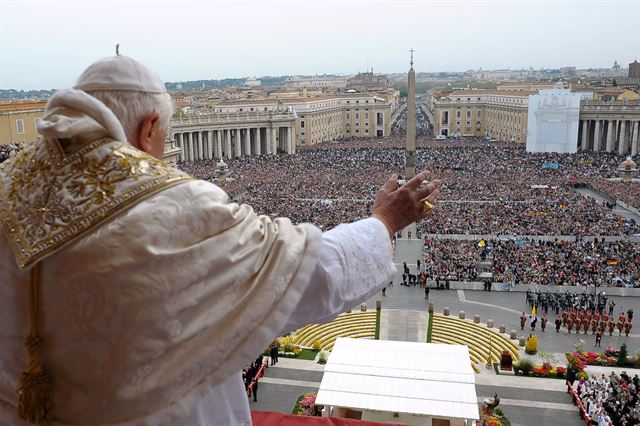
pixel 356 260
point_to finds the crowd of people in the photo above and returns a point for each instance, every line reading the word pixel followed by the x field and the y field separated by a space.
pixel 619 191
pixel 530 261
pixel 251 375
pixel 495 189
pixel 610 400
pixel 7 150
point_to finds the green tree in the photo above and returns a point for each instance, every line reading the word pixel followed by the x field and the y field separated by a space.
pixel 622 357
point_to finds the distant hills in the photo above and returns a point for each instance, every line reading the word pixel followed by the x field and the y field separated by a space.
pixel 172 87
pixel 26 94
pixel 221 84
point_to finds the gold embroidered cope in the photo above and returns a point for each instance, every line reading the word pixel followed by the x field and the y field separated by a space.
pixel 49 197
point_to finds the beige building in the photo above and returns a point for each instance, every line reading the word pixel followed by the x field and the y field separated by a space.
pixel 612 126
pixel 18 121
pixel 326 118
pixel 500 114
pixel 525 86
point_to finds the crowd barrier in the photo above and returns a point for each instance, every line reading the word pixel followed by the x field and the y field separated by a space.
pixel 577 401
pixel 522 288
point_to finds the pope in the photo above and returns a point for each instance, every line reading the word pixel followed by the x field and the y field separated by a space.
pixel 141 292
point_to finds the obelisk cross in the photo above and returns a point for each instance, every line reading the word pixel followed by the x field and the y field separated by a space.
pixel 411 50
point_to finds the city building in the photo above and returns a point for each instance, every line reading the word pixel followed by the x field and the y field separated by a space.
pixel 499 114
pixel 18 121
pixel 633 78
pixel 317 81
pixel 252 82
pixel 368 81
pixel 518 86
pixel 611 126
pixel 255 130
pixel 327 117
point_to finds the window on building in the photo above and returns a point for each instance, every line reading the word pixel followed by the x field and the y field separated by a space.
pixel 379 119
pixel 20 127
pixel 468 113
pixel 357 116
pixel 366 124
pixel 302 124
pixel 357 131
pixel 366 115
pixel 457 114
pixel 347 116
pixel 366 131
pixel 478 114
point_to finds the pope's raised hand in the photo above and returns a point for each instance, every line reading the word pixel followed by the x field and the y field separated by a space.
pixel 397 207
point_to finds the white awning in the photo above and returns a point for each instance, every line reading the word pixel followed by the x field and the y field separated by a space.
pixel 400 377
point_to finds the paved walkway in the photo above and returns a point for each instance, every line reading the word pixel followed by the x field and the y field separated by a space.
pixel 404 325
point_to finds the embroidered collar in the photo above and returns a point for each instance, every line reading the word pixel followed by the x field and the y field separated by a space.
pixel 50 198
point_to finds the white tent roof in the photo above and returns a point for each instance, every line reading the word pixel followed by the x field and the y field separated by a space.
pixel 400 377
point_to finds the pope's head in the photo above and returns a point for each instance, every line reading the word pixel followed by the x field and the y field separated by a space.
pixel 136 95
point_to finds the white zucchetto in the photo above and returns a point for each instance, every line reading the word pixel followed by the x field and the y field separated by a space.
pixel 120 73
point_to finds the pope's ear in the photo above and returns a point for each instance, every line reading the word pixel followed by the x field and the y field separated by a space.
pixel 148 128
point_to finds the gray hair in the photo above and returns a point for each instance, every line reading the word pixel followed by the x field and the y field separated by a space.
pixel 132 107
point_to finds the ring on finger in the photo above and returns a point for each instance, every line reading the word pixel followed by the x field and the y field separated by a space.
pixel 426 207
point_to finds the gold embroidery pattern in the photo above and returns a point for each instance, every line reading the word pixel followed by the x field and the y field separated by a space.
pixel 49 199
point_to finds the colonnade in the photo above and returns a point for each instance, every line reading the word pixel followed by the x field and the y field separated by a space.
pixel 207 144
pixel 619 136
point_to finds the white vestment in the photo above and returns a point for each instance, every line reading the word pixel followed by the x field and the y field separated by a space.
pixel 148 318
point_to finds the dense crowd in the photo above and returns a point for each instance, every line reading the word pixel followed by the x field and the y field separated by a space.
pixel 610 400
pixel 619 191
pixel 523 261
pixel 7 150
pixel 494 188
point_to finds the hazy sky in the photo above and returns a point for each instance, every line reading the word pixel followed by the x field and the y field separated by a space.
pixel 47 44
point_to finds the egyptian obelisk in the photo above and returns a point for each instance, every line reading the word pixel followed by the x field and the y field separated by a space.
pixel 410 152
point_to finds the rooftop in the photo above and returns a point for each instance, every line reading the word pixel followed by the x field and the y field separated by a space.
pixel 22 106
pixel 400 377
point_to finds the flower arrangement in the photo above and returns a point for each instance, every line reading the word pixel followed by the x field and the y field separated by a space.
pixel 612 350
pixel 590 358
pixel 288 348
pixel 526 367
pixel 497 418
pixel 306 406
pixel 531 347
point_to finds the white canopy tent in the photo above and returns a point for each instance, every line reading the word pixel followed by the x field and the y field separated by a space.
pixel 401 379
